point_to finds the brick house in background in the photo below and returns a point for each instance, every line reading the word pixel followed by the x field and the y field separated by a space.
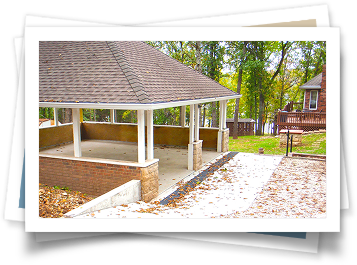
pixel 315 93
pixel 313 114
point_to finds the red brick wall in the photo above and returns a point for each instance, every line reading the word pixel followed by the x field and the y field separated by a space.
pixel 87 177
pixel 321 105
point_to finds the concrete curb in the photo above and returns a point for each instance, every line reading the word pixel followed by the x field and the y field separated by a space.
pixel 124 194
pixel 311 156
pixel 198 178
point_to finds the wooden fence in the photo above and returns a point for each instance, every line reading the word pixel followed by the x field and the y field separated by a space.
pixel 244 128
pixel 307 121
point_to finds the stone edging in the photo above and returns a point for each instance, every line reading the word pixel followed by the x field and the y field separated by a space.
pixel 197 179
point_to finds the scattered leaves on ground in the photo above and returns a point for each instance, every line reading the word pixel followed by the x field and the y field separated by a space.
pixel 55 201
pixel 297 189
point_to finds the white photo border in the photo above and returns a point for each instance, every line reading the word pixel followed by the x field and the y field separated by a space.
pixel 36 224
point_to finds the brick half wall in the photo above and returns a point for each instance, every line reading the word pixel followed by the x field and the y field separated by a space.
pixel 95 178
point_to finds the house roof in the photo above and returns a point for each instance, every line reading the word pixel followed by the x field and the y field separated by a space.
pixel 313 83
pixel 125 72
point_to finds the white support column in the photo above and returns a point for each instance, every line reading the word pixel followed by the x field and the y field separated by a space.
pixel 197 123
pixel 192 123
pixel 191 137
pixel 76 133
pixel 141 136
pixel 195 144
pixel 112 116
pixel 224 117
pixel 222 123
pixel 150 134
pixel 219 142
pixel 55 116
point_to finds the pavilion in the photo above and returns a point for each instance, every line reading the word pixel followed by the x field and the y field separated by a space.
pixel 123 75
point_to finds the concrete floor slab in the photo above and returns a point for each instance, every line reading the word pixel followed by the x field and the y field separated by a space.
pixel 172 160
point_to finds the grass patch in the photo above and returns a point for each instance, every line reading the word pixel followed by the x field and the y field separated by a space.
pixel 311 144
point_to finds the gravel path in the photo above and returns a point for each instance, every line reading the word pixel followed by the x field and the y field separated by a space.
pixel 297 189
pixel 247 186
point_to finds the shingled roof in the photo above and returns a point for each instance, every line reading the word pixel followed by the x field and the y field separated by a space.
pixel 313 83
pixel 119 72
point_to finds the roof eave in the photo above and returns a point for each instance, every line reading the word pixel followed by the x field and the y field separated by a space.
pixel 133 106
pixel 310 87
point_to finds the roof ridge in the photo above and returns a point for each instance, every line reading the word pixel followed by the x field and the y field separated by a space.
pixel 129 73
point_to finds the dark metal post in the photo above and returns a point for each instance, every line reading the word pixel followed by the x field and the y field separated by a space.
pixel 291 143
pixel 287 143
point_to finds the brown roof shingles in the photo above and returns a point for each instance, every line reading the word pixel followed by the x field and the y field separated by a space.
pixel 118 72
pixel 315 82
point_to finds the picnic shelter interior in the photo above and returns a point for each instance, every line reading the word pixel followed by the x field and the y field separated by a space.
pixel 96 157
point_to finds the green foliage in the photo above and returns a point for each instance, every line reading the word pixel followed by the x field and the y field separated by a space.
pixel 168 116
pixel 213 59
pixel 46 113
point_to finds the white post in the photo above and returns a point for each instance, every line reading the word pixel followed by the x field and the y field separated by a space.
pixel 219 142
pixel 192 123
pixel 76 133
pixel 150 134
pixel 222 123
pixel 55 116
pixel 191 137
pixel 112 116
pixel 197 123
pixel 224 117
pixel 141 136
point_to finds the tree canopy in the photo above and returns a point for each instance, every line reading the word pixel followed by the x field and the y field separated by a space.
pixel 267 73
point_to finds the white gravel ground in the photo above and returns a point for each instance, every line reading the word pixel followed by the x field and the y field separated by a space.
pixel 231 189
pixel 297 189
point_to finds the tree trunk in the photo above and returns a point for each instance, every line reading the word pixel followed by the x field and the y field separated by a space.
pixel 255 114
pixel 214 114
pixel 236 108
pixel 281 95
pixel 198 57
pixel 261 113
pixel 132 116
pixel 212 75
pixel 239 85
pixel 285 47
pixel 68 116
pixel 275 122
